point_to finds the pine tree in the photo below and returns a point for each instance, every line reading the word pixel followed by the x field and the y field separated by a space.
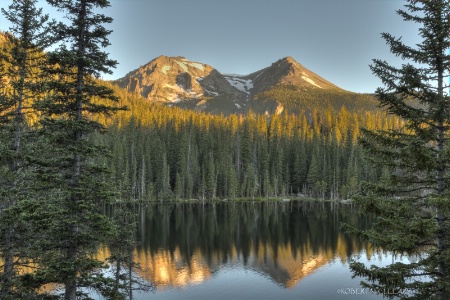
pixel 313 173
pixel 68 165
pixel 412 204
pixel 211 175
pixel 23 54
pixel 121 246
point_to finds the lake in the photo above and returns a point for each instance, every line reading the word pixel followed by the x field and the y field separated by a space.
pixel 251 250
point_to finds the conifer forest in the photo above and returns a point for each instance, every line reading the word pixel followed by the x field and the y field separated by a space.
pixel 73 146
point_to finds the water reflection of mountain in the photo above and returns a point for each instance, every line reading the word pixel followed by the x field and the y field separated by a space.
pixel 288 271
pixel 186 244
pixel 167 269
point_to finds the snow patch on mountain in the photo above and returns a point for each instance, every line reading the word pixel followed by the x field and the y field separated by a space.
pixel 243 85
pixel 233 75
pixel 175 87
pixel 309 80
pixel 179 91
pixel 211 92
pixel 174 98
pixel 259 75
pixel 165 69
pixel 197 65
pixel 182 65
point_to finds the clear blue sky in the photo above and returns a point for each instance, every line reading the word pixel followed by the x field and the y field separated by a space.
pixel 337 39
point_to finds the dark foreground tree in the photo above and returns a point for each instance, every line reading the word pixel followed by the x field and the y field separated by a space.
pixel 413 202
pixel 21 57
pixel 69 163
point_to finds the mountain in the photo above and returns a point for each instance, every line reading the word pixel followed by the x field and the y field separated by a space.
pixel 181 82
pixel 285 86
pixel 287 71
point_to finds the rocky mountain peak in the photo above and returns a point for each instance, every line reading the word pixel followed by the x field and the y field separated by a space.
pixel 288 71
pixel 289 61
pixel 179 81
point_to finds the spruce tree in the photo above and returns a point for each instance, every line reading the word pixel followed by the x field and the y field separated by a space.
pixel 69 164
pixel 21 56
pixel 121 247
pixel 313 173
pixel 413 202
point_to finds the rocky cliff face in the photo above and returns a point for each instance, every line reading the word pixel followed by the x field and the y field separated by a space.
pixel 289 72
pixel 179 81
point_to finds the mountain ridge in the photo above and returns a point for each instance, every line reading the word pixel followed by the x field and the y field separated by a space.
pixel 289 72
pixel 198 86
pixel 179 81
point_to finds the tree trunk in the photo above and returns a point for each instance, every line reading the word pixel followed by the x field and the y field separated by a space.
pixel 440 173
pixel 72 250
pixel 118 270
pixel 130 273
pixel 8 268
pixel 71 284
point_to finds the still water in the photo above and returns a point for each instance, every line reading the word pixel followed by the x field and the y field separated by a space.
pixel 251 250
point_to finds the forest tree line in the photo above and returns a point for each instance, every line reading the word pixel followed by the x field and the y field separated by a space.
pixel 163 153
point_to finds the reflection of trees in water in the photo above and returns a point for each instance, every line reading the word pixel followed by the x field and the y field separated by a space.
pixel 220 230
pixel 183 244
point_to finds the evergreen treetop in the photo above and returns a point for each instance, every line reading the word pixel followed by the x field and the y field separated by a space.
pixel 413 201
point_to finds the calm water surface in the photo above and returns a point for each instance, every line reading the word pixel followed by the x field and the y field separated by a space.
pixel 251 250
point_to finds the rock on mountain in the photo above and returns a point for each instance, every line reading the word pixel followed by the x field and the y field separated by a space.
pixel 179 81
pixel 287 71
